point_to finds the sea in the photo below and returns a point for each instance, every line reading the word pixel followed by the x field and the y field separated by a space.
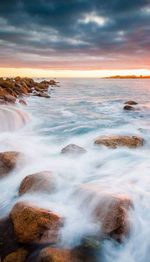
pixel 79 111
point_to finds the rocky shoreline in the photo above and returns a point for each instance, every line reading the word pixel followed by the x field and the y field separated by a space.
pixel 30 233
pixel 13 90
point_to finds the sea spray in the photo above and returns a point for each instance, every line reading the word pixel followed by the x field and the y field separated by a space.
pixel 120 171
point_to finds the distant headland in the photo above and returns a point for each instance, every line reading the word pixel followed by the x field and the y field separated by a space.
pixel 128 77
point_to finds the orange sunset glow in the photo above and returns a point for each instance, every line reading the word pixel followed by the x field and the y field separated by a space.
pixel 31 72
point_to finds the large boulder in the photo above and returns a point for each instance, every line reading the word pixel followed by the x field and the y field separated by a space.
pixel 54 255
pixel 73 149
pixel 116 141
pixel 109 210
pixel 19 255
pixel 8 161
pixel 38 182
pixel 35 225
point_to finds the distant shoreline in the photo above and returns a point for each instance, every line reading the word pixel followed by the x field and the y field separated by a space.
pixel 127 77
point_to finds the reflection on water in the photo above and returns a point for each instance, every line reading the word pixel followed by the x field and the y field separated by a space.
pixel 79 111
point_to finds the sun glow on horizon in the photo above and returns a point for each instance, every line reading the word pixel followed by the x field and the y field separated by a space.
pixel 32 72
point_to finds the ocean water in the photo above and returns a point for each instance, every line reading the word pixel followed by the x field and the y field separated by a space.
pixel 77 112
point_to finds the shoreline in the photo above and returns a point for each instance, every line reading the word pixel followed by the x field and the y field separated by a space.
pixel 13 90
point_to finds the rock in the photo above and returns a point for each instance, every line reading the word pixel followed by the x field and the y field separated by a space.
pixel 88 250
pixel 6 96
pixel 10 99
pixel 23 102
pixel 12 88
pixel 17 256
pixel 109 210
pixel 8 243
pixel 73 149
pixel 114 217
pixel 42 94
pixel 116 141
pixel 38 182
pixel 53 83
pixel 35 225
pixel 54 255
pixel 12 118
pixel 128 108
pixel 131 103
pixel 8 161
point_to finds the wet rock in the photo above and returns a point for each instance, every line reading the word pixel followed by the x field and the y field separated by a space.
pixel 112 213
pixel 8 161
pixel 23 102
pixel 128 108
pixel 73 149
pixel 12 88
pixel 38 182
pixel 35 225
pixel 8 243
pixel 10 99
pixel 131 103
pixel 12 118
pixel 6 97
pixel 19 255
pixel 116 141
pixel 54 255
pixel 53 83
pixel 88 249
pixel 109 210
pixel 43 94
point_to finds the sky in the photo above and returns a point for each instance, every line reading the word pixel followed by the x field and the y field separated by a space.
pixel 74 38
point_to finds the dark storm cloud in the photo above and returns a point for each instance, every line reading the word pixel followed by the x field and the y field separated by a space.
pixel 50 31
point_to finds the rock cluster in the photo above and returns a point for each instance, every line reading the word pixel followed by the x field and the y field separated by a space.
pixel 129 105
pixel 11 89
pixel 31 233
pixel 29 228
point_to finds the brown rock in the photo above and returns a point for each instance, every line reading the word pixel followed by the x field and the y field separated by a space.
pixel 43 181
pixel 53 82
pixel 35 225
pixel 6 96
pixel 8 161
pixel 131 103
pixel 112 213
pixel 54 255
pixel 116 141
pixel 23 102
pixel 42 94
pixel 73 149
pixel 10 99
pixel 17 78
pixel 109 210
pixel 128 108
pixel 17 256
pixel 8 243
pixel 8 83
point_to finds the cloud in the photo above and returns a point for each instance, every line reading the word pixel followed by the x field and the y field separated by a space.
pixel 75 34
